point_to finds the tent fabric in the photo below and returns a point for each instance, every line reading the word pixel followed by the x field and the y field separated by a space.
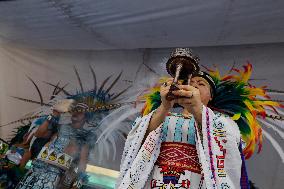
pixel 128 24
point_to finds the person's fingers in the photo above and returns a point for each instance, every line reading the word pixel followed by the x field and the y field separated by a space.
pixel 71 104
pixel 72 101
pixel 165 84
pixel 168 82
pixel 187 87
pixel 183 93
pixel 64 105
pixel 165 89
pixel 170 79
pixel 180 82
pixel 184 102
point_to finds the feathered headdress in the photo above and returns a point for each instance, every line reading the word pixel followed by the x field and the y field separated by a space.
pixel 98 101
pixel 234 96
pixel 99 98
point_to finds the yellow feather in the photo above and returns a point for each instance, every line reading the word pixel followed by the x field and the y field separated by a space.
pixel 236 117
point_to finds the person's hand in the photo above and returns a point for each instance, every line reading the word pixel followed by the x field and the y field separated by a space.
pixel 164 90
pixel 189 98
pixel 63 106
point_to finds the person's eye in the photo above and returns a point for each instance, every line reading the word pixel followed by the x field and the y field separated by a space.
pixel 202 84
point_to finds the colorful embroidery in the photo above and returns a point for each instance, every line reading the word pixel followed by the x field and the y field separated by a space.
pixel 171 174
pixel 219 137
pixel 181 155
pixel 184 184
pixel 210 148
pixel 225 186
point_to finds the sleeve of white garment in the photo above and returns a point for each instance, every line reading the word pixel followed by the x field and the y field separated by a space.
pixel 132 145
pixel 221 137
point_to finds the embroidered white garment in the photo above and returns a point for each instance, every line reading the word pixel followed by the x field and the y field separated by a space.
pixel 173 155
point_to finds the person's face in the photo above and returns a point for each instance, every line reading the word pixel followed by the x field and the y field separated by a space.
pixel 204 88
pixel 78 118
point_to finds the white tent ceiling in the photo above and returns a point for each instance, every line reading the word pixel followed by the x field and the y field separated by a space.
pixel 128 24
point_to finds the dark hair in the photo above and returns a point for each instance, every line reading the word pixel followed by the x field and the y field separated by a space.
pixel 209 79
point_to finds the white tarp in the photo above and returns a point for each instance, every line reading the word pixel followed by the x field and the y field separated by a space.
pixel 128 24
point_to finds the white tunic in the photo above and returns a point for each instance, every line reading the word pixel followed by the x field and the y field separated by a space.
pixel 162 162
pixel 178 163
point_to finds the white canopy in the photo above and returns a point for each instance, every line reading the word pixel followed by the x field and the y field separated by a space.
pixel 128 24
